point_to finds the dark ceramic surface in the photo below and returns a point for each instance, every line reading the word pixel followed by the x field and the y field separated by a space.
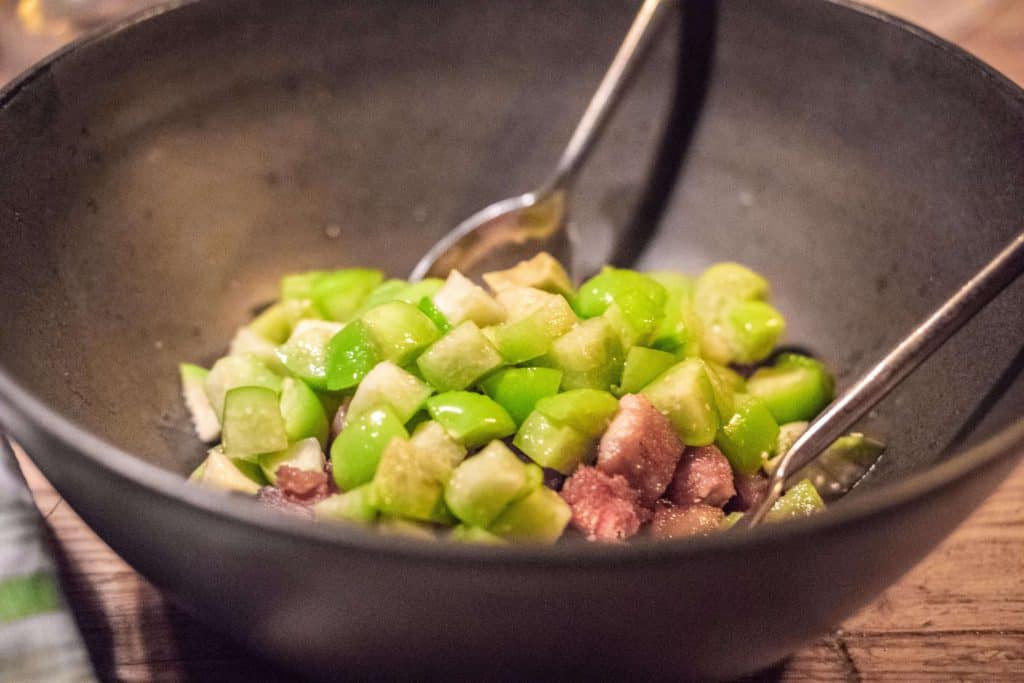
pixel 161 178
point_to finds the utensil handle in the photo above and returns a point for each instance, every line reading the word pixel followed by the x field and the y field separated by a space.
pixel 891 370
pixel 647 24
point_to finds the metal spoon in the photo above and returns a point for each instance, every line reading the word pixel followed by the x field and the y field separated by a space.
pixel 517 228
pixel 891 370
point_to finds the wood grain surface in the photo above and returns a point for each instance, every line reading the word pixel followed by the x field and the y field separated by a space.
pixel 959 615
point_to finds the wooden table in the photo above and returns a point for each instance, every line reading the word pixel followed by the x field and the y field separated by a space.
pixel 959 615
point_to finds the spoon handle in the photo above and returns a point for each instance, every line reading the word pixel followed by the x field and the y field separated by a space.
pixel 647 24
pixel 891 370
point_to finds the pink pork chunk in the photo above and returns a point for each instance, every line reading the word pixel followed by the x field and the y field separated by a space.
pixel 679 522
pixel 641 446
pixel 750 490
pixel 704 476
pixel 604 507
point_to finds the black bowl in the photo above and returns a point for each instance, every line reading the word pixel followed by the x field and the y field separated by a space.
pixel 162 175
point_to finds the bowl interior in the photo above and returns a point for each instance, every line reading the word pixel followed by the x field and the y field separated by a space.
pixel 166 177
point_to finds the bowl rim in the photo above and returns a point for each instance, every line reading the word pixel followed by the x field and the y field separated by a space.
pixel 17 401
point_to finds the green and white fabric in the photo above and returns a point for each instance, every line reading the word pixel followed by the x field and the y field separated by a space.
pixel 38 637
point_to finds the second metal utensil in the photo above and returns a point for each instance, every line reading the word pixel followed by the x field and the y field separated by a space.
pixel 874 385
pixel 516 228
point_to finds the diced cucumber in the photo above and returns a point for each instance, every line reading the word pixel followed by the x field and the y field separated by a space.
pixel 589 356
pixel 410 483
pixel 725 283
pixel 193 390
pixel 247 342
pixel 426 305
pixel 221 472
pixel 298 286
pixel 536 319
pixel 684 394
pixel 484 484
pixel 749 436
pixel 540 517
pixel 589 411
pixel 679 330
pixel 237 371
pixel 552 444
pixel 356 505
pixel 351 354
pixel 253 422
pixel 357 450
pixel 275 324
pixel 788 434
pixel 469 418
pixel 382 294
pixel 302 412
pixel 801 500
pixel 753 328
pixel 542 271
pixel 406 528
pixel 401 330
pixel 302 455
pixel 628 335
pixel 460 300
pixel 472 534
pixel 431 436
pixel 517 390
pixel 391 386
pixel 641 299
pixel 795 388
pixel 642 366
pixel 415 292
pixel 339 294
pixel 458 359
pixel 305 352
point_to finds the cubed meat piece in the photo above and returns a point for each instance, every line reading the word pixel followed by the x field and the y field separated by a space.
pixel 302 486
pixel 604 507
pixel 275 498
pixel 671 521
pixel 703 476
pixel 750 490
pixel 640 445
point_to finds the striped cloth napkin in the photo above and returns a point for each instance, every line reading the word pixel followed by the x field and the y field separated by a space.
pixel 38 637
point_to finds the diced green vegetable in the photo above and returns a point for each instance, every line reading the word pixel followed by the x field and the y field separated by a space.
pixel 410 483
pixel 589 411
pixel 753 328
pixel 302 455
pixel 795 388
pixel 540 517
pixel 460 300
pixel 253 422
pixel 275 324
pixel 305 352
pixel 193 390
pixel 415 292
pixel 458 359
pixel 299 286
pixel 589 356
pixel 482 486
pixel 351 354
pixel 431 436
pixel 801 500
pixel 749 436
pixel 838 468
pixel 536 319
pixel 302 412
pixel 391 386
pixel 723 284
pixel 247 343
pixel 237 371
pixel 680 329
pixel 552 444
pixel 788 434
pixel 406 528
pixel 470 418
pixel 357 450
pixel 541 272
pixel 684 394
pixel 641 368
pixel 383 293
pixel 472 534
pixel 401 330
pixel 517 390
pixel 339 294
pixel 426 305
pixel 221 472
pixel 356 505
pixel 641 299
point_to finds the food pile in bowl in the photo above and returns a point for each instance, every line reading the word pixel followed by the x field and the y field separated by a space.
pixel 639 403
